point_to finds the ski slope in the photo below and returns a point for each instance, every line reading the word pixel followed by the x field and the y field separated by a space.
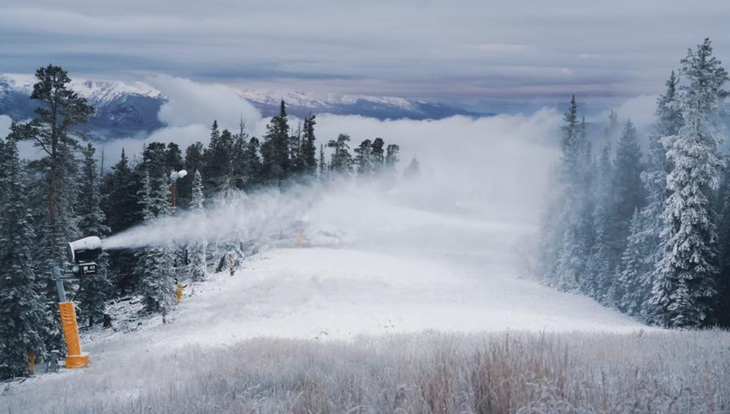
pixel 401 270
pixel 368 268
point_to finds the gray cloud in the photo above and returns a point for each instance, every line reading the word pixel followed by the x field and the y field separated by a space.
pixel 468 51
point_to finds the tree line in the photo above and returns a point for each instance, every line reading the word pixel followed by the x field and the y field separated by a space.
pixel 66 195
pixel 648 232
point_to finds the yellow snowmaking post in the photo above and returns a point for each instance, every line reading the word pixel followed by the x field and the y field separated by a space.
pixel 75 358
pixel 180 288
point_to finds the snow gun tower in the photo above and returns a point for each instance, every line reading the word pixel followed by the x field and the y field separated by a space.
pixel 80 256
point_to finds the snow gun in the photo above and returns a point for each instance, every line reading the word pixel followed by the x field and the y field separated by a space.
pixel 80 256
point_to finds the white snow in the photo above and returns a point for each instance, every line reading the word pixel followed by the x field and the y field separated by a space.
pixel 321 101
pixel 395 268
pixel 99 92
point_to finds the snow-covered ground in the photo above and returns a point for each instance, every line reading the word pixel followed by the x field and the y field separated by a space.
pixel 370 266
pixel 399 269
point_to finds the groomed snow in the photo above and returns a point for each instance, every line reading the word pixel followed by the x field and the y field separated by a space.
pixel 401 269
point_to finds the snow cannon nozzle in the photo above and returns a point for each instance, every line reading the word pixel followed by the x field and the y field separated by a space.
pixel 84 250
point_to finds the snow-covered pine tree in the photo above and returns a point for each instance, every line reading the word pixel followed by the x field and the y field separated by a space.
pixel 198 250
pixel 22 309
pixel 628 190
pixel 571 259
pixel 599 264
pixel 627 196
pixel 636 267
pixel 684 286
pixel 643 250
pixel 94 289
pixel 155 263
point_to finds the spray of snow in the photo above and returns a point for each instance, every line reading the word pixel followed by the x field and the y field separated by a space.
pixel 235 217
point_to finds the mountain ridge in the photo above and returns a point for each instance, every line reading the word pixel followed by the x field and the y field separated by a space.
pixel 131 109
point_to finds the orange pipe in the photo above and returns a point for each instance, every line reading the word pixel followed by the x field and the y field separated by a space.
pixel 75 358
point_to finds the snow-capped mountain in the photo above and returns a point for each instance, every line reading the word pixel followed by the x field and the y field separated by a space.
pixel 381 107
pixel 130 109
pixel 121 109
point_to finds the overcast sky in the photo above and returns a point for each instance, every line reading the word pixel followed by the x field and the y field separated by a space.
pixel 479 53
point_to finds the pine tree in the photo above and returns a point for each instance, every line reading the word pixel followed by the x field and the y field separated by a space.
pixel 155 264
pixel 600 263
pixel 378 154
pixel 22 309
pixel 323 167
pixel 636 268
pixel 296 162
pixel 309 148
pixel 723 286
pixel 239 161
pixel 94 289
pixel 392 157
pixel 194 161
pixel 627 196
pixel 54 131
pixel 341 161
pixel 198 266
pixel 122 211
pixel 219 161
pixel 571 260
pixel 684 287
pixel 643 250
pixel 628 190
pixel 275 149
pixel 252 170
pixel 364 159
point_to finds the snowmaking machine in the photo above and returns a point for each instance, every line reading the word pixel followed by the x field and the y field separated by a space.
pixel 80 259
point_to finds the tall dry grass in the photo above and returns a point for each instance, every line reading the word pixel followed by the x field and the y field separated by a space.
pixel 657 372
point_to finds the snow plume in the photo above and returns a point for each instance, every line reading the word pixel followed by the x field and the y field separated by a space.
pixel 487 170
pixel 240 216
pixel 492 168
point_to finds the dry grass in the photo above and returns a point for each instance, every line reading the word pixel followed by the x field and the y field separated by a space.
pixel 672 372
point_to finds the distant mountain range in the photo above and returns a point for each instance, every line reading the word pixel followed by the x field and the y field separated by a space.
pixel 121 109
pixel 124 109
pixel 381 107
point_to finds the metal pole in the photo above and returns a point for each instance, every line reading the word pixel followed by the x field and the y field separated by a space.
pixel 172 194
pixel 56 273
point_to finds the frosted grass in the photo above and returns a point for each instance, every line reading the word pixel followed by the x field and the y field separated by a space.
pixel 668 372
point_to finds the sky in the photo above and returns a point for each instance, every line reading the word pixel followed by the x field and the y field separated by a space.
pixel 481 54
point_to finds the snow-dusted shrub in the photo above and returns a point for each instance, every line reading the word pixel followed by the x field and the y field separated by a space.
pixel 648 372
